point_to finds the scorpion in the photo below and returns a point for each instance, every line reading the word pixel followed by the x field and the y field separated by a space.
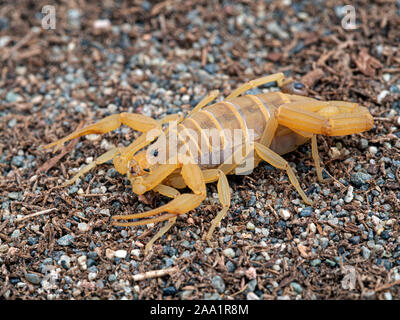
pixel 279 121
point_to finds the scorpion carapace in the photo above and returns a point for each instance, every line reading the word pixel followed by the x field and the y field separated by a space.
pixel 270 125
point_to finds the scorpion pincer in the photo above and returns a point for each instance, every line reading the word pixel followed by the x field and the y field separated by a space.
pixel 270 124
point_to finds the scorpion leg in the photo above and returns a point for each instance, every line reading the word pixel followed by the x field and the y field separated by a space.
pixel 224 195
pixel 183 203
pixel 205 101
pixel 167 191
pixel 318 169
pixel 160 233
pixel 278 77
pixel 277 161
pixel 103 158
pixel 137 122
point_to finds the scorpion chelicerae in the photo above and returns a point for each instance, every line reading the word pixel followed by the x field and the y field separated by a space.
pixel 270 125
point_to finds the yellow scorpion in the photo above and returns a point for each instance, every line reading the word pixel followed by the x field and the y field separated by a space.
pixel 270 124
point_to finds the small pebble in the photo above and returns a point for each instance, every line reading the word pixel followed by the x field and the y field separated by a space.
pixel 373 149
pixel 218 283
pixel 285 214
pixel 250 226
pixel 360 178
pixel 387 295
pixel 121 254
pixel 33 278
pixel 82 226
pixel 382 95
pixel 366 253
pixel 252 296
pixel 296 287
pixel 229 252
pixel 65 240
pixel 306 212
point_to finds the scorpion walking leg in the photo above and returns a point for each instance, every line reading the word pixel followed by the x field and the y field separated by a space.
pixel 183 203
pixel 167 191
pixel 278 77
pixel 137 122
pixel 103 158
pixel 316 158
pixel 159 234
pixel 224 195
pixel 205 101
pixel 277 161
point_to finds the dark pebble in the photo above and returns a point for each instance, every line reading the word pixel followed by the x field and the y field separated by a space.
pixel 171 251
pixel 32 240
pixel 387 264
pixel 306 212
pixel 252 201
pixel 91 262
pixel 385 235
pixel 169 291
pixel 230 266
pixel 360 178
pixel 355 240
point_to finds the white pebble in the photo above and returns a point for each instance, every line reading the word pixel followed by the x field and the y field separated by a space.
pixel 252 296
pixel 387 295
pixel 349 196
pixel 387 77
pixel 110 254
pixel 285 214
pixel 136 252
pixel 82 262
pixel 112 107
pixel 102 24
pixel 82 226
pixel 92 276
pixel 334 153
pixel 121 254
pixel 92 137
pixel 382 95
pixel 376 221
pixel 373 149
pixel 229 252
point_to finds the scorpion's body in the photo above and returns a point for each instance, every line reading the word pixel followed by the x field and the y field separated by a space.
pixel 270 124
pixel 251 112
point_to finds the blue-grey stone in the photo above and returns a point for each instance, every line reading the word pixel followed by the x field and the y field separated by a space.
pixel 306 212
pixel 366 253
pixel 360 178
pixel 18 161
pixel 296 287
pixel 32 278
pixel 65 240
pixel 218 283
pixel 315 262
pixel 12 97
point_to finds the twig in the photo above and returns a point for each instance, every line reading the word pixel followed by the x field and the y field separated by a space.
pixel 35 214
pixel 29 36
pixel 240 291
pixel 154 274
pixel 387 285
pixel 53 161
